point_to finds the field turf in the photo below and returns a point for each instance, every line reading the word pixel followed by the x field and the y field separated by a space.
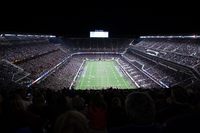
pixel 97 74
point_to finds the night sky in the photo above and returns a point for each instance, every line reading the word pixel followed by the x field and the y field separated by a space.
pixel 121 20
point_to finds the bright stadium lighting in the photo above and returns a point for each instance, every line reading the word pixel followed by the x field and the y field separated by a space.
pixel 191 36
pixel 10 34
pixel 99 34
pixel 22 35
pixel 52 36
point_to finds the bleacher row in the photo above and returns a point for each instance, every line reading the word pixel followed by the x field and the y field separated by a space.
pixel 184 52
pixel 140 78
pixel 181 51
pixel 98 45
pixel 163 74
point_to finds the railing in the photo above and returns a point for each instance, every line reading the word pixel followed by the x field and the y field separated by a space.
pixel 123 69
pixel 147 74
pixel 75 77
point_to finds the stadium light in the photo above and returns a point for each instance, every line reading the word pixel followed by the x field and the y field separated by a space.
pixel 29 35
pixel 10 34
pixel 52 36
pixel 99 34
pixel 189 36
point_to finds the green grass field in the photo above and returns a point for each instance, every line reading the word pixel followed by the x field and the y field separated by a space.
pixel 102 74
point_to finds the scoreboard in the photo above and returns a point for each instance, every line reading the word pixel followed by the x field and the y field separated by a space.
pixel 99 34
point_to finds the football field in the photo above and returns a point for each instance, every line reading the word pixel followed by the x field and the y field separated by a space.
pixel 101 75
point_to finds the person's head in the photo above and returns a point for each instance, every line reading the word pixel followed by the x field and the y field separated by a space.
pixel 116 102
pixel 16 103
pixel 21 92
pixel 39 99
pixel 63 104
pixel 1 98
pixel 98 100
pixel 1 102
pixel 140 107
pixel 78 103
pixel 179 95
pixel 71 122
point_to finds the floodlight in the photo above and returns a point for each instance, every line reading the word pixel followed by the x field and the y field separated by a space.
pixel 99 34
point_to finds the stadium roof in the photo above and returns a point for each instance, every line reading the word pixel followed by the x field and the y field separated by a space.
pixel 120 19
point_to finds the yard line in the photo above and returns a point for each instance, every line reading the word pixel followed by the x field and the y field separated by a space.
pixel 123 79
pixel 115 74
pixel 82 78
pixel 77 74
pixel 107 75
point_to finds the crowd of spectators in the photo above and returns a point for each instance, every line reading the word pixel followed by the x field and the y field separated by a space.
pixel 18 52
pixel 10 72
pixel 39 65
pixel 63 76
pixel 31 55
pixel 139 77
pixel 161 73
pixel 182 51
pixel 98 45
pixel 42 110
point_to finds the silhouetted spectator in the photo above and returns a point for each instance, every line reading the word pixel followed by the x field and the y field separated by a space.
pixel 117 115
pixel 71 122
pixel 177 104
pixel 186 123
pixel 140 107
pixel 97 113
pixel 79 104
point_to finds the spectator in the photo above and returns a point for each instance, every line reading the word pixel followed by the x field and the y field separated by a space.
pixel 177 104
pixel 71 122
pixel 97 113
pixel 140 107
pixel 79 104
pixel 20 118
pixel 117 115
pixel 186 123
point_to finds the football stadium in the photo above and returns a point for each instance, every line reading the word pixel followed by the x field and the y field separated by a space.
pixel 90 63
pixel 101 73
